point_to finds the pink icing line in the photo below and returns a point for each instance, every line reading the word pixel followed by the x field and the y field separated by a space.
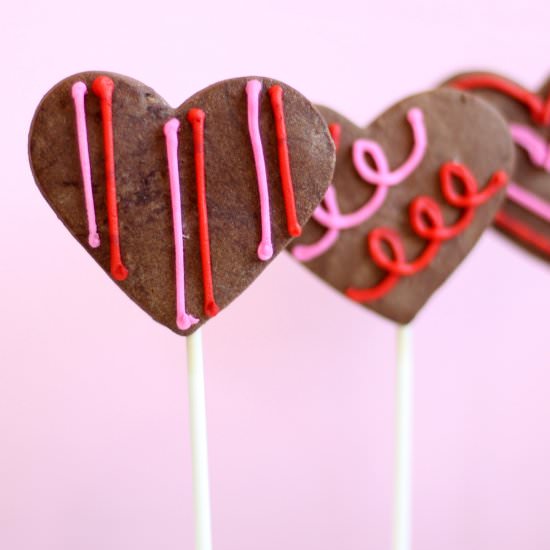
pixel 539 154
pixel 79 90
pixel 381 176
pixel 533 144
pixel 265 248
pixel 183 319
pixel 529 201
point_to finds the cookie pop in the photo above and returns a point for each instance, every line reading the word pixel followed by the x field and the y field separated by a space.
pixel 412 193
pixel 182 208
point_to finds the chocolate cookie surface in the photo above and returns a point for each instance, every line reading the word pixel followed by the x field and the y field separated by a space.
pixel 250 162
pixel 411 195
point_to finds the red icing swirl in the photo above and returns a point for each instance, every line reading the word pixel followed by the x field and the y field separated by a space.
pixel 426 219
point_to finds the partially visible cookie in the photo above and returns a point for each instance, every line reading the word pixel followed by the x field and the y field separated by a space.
pixel 525 216
pixel 411 195
pixel 183 207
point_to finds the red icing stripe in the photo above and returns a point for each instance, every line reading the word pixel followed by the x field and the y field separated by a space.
pixel 539 108
pixel 196 118
pixel 427 221
pixel 335 132
pixel 103 87
pixel 523 231
pixel 276 96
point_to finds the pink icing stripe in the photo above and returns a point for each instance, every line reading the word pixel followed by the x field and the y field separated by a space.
pixel 265 248
pixel 539 154
pixel 529 201
pixel 381 176
pixel 183 319
pixel 79 90
pixel 533 144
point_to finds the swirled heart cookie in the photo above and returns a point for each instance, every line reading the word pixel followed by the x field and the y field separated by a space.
pixel 411 195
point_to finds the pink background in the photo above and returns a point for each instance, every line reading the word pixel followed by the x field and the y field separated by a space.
pixel 94 438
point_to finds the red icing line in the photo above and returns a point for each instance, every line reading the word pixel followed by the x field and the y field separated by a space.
pixel 196 118
pixel 523 231
pixel 276 96
pixel 335 131
pixel 539 108
pixel 103 87
pixel 427 221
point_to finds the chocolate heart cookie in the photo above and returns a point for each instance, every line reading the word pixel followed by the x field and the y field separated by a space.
pixel 183 207
pixel 411 195
pixel 525 216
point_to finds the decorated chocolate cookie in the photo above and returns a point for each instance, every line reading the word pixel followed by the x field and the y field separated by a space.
pixel 411 195
pixel 525 216
pixel 182 207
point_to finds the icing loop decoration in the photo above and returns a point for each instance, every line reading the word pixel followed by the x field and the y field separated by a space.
pixel 183 319
pixel 196 118
pixel 426 219
pixel 381 176
pixel 253 88
pixel 307 252
pixel 103 87
pixel 79 90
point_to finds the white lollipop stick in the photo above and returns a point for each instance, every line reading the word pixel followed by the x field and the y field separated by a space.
pixel 403 440
pixel 199 442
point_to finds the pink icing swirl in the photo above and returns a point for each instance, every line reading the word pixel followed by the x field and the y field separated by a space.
pixel 381 176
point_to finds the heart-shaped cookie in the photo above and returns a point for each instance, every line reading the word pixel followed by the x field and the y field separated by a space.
pixel 411 195
pixel 525 215
pixel 183 207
